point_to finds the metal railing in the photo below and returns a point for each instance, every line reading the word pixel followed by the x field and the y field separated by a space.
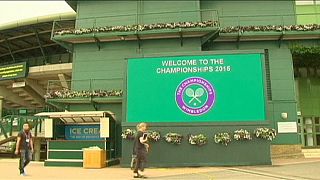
pixel 282 20
pixel 148 18
pixel 309 131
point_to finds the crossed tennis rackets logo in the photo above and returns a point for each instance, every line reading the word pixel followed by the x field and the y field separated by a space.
pixel 195 96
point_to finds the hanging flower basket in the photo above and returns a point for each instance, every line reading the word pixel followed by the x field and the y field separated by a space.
pixel 223 138
pixel 198 140
pixel 128 134
pixel 265 133
pixel 154 136
pixel 241 135
pixel 173 138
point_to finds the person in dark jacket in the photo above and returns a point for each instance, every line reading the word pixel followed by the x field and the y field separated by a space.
pixel 140 150
pixel 24 147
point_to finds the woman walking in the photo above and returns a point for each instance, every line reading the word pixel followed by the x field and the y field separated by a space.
pixel 140 150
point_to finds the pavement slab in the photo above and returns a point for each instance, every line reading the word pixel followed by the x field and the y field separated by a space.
pixel 283 169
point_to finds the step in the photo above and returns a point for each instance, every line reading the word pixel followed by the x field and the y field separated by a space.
pixel 312 153
pixel 292 155
pixel 29 98
pixel 23 94
pixel 12 138
pixel 17 90
pixel 75 163
pixel 310 157
pixel 310 150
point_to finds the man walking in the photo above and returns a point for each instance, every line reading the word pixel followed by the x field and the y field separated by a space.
pixel 24 147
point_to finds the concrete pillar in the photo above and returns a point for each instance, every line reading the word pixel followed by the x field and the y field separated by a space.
pixel 37 147
pixel 309 139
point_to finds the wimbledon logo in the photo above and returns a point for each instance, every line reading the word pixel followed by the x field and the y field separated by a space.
pixel 195 96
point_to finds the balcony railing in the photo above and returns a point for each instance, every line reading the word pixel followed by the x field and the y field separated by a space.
pixel 278 20
pixel 190 16
pixel 162 24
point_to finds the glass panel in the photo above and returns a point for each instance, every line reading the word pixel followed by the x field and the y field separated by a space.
pixel 318 139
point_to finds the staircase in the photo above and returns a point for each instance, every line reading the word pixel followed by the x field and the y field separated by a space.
pixel 11 125
pixel 12 138
pixel 311 153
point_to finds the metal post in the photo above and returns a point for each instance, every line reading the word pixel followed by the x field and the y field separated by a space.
pixel 302 131
pixel 35 122
pixel 11 125
pixel 212 16
pixel 41 47
pixel 37 148
pixel 40 125
pixel 309 131
pixel 52 31
pixel 314 134
pixel 10 50
pixel 1 104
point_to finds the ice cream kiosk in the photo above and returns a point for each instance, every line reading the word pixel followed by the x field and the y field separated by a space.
pixel 71 134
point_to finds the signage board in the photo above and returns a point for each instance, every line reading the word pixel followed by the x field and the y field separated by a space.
pixel 82 132
pixel 13 71
pixel 287 127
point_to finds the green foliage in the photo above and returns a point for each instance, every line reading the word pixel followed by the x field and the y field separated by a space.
pixel 222 138
pixel 173 138
pixel 305 56
pixel 198 140
pixel 303 50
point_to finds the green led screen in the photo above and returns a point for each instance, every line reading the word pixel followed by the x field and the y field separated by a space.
pixel 201 88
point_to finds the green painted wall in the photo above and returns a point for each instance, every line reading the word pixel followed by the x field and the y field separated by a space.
pixel 89 9
pixel 230 12
pixel 149 8
pixel 126 12
pixel 245 13
pixel 163 154
pixel 109 63
pixel 309 14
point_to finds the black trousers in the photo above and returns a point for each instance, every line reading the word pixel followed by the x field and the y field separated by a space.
pixel 25 158
pixel 141 159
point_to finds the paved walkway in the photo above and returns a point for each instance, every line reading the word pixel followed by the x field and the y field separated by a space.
pixel 285 169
